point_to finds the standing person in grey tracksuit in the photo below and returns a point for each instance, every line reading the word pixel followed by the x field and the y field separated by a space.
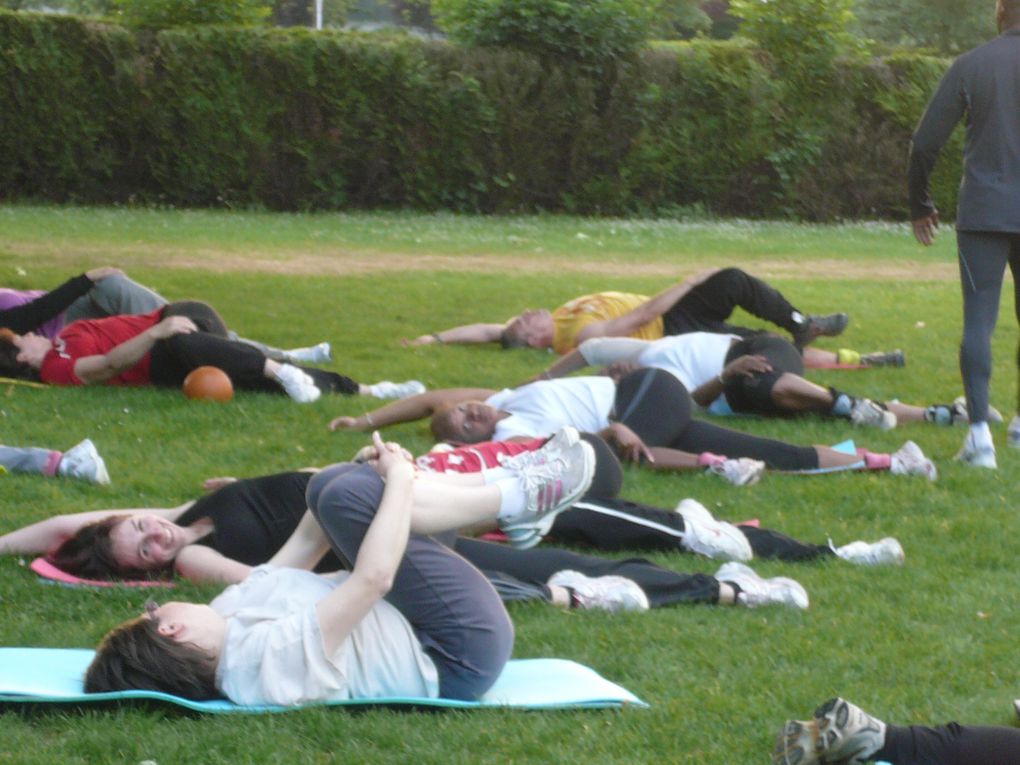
pixel 982 86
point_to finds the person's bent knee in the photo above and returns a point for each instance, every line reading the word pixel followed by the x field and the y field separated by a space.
pixel 321 480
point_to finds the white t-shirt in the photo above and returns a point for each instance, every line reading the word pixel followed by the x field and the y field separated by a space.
pixel 273 652
pixel 693 358
pixel 541 408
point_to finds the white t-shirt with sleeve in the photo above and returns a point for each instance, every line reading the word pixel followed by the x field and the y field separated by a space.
pixel 541 408
pixel 273 652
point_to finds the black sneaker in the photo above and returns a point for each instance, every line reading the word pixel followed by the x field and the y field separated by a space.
pixel 817 326
pixel 884 359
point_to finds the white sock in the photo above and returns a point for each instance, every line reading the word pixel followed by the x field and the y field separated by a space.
pixel 981 435
pixel 512 498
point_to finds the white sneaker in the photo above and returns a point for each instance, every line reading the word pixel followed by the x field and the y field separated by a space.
pixel 866 412
pixel 298 385
pixel 559 443
pixel 884 552
pixel 977 456
pixel 316 354
pixel 910 460
pixel 1013 432
pixel 708 536
pixel 83 461
pixel 840 732
pixel 550 486
pixel 960 410
pixel 387 389
pixel 606 593
pixel 755 591
pixel 740 472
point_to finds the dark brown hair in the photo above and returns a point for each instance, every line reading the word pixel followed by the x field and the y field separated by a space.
pixel 9 364
pixel 134 656
pixel 89 553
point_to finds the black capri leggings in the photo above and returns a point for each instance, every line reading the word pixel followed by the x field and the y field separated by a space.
pixel 173 358
pixel 657 407
pixel 951 744
pixel 753 394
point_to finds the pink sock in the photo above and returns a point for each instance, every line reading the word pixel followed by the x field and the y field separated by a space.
pixel 707 459
pixel 52 463
pixel 876 461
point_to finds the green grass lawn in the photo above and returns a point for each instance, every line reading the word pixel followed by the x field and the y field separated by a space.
pixel 931 641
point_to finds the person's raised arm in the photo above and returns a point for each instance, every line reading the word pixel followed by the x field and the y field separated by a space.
pixel 468 334
pixel 648 311
pixel 380 553
pixel 747 366
pixel 47 535
pixel 100 368
pixel 28 317
pixel 409 409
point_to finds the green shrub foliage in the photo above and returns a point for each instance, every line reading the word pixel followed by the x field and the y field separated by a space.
pixel 294 119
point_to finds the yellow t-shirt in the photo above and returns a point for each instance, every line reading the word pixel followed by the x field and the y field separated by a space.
pixel 573 316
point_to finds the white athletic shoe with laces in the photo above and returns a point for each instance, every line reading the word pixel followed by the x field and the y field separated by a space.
pixel 605 593
pixel 884 552
pixel 978 456
pixel 963 417
pixel 83 461
pixel 910 460
pixel 298 384
pixel 315 354
pixel 740 472
pixel 867 413
pixel 706 535
pixel 841 733
pixel 553 478
pixel 387 389
pixel 755 591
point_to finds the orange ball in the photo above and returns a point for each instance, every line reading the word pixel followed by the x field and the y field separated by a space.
pixel 208 384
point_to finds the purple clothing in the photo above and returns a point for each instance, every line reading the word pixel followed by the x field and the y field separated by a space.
pixel 13 298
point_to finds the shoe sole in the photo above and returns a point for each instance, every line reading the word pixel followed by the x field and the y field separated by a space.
pixel 797 744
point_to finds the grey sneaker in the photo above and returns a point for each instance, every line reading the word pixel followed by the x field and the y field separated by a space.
pixel 910 460
pixel 316 354
pixel 1013 432
pixel 884 359
pixel 705 535
pixel 977 456
pixel 387 389
pixel 840 734
pixel 961 416
pixel 866 412
pixel 755 591
pixel 298 385
pixel 606 593
pixel 813 326
pixel 550 486
pixel 740 472
pixel 83 461
pixel 884 552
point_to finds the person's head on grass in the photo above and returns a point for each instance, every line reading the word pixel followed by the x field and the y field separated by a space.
pixel 173 648
pixel 531 329
pixel 21 356
pixel 467 422
pixel 122 547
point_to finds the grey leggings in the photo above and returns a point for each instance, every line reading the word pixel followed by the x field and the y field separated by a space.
pixel 457 615
pixel 983 256
pixel 29 459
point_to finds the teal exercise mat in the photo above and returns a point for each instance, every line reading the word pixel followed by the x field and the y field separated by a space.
pixel 54 676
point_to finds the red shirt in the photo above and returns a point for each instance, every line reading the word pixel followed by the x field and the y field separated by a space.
pixel 96 337
pixel 473 458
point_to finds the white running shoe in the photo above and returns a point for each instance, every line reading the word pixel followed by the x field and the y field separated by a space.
pixel 387 389
pixel 606 593
pixel 962 417
pixel 298 384
pixel 1013 432
pixel 708 536
pixel 551 486
pixel 978 456
pixel 316 354
pixel 558 444
pixel 884 552
pixel 740 472
pixel 867 412
pixel 755 591
pixel 83 461
pixel 840 732
pixel 910 460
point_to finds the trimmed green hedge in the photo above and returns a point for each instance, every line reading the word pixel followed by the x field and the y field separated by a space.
pixel 294 119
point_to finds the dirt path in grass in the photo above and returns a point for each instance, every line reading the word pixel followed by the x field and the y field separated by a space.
pixel 342 262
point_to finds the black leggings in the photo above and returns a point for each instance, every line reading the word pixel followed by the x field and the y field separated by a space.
pixel 173 358
pixel 502 564
pixel 657 407
pixel 707 306
pixel 618 524
pixel 951 744
pixel 752 394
